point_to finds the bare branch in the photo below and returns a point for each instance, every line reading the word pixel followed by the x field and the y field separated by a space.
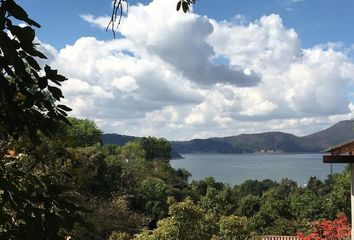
pixel 117 13
pixel 118 7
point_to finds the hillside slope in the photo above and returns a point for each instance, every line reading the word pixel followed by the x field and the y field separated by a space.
pixel 338 133
pixel 259 142
pixel 271 141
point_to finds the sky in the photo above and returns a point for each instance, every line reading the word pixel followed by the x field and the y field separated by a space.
pixel 226 68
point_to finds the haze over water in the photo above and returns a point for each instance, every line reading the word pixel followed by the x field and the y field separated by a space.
pixel 237 168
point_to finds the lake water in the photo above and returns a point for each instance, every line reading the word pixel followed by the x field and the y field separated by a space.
pixel 236 168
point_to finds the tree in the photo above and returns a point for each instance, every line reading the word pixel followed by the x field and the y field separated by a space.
pixel 155 148
pixel 186 221
pixel 90 173
pixel 339 196
pixel 28 93
pixel 274 215
pixel 234 228
pixel 316 186
pixel 82 133
pixel 119 236
pixel 152 197
pixel 132 152
pixel 254 187
pixel 249 205
pixel 217 201
pixel 33 203
pixel 305 205
pixel 111 218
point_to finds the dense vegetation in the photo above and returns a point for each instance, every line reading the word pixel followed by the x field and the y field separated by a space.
pixel 133 192
pixel 57 179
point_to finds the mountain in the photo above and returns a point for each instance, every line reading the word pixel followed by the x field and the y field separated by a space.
pixel 244 143
pixel 271 141
pixel 339 133
pixel 260 142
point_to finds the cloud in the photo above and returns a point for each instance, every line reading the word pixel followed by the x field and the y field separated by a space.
pixel 100 22
pixel 125 83
pixel 178 39
pixel 183 76
pixel 296 82
pixel 292 2
pixel 116 84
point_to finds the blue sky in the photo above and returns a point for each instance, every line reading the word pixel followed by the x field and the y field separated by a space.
pixel 229 67
pixel 316 21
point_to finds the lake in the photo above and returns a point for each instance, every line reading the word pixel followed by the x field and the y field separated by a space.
pixel 236 168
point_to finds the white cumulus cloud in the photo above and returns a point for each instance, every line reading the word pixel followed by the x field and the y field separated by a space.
pixel 163 77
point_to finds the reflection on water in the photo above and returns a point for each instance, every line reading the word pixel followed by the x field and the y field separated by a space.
pixel 236 168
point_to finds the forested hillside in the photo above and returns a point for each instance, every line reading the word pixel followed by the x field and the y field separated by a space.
pixel 271 141
pixel 262 142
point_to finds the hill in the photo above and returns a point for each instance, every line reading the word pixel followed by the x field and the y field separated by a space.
pixel 339 133
pixel 259 142
pixel 271 141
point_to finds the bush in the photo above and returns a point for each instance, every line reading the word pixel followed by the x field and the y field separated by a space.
pixel 337 229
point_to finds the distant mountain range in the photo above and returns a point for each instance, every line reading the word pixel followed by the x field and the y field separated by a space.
pixel 260 142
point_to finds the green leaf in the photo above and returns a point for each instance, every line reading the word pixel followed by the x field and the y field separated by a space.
pixel 33 63
pixel 59 78
pixel 53 75
pixel 36 53
pixel 62 112
pixel 29 101
pixel 25 35
pixel 185 6
pixel 15 10
pixel 50 73
pixel 19 13
pixel 64 119
pixel 2 19
pixel 42 82
pixel 56 92
pixel 65 108
pixel 8 48
pixel 20 67
pixel 47 104
pixel 179 5
pixel 52 223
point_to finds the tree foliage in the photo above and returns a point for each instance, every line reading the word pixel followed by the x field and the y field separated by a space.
pixel 33 201
pixel 81 133
pixel 186 221
pixel 28 93
pixel 155 148
pixel 234 228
